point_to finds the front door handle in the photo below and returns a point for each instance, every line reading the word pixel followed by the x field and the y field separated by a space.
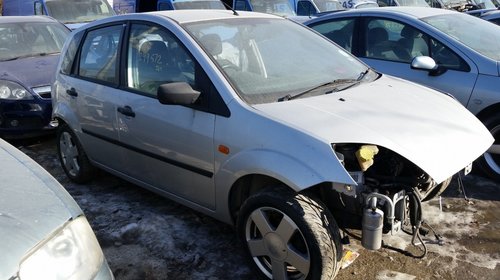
pixel 127 111
pixel 72 92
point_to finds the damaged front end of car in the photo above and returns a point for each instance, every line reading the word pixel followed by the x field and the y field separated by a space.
pixel 388 194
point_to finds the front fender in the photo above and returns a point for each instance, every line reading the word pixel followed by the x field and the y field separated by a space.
pixel 297 173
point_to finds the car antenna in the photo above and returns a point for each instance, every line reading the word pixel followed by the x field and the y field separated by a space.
pixel 235 13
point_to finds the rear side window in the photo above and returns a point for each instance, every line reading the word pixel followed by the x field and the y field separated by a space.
pixel 99 56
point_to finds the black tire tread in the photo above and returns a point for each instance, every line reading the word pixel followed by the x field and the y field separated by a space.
pixel 317 218
pixel 87 170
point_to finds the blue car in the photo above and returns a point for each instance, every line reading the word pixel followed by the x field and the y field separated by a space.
pixel 29 53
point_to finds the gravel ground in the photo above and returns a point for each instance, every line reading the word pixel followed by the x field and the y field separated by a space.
pixel 145 236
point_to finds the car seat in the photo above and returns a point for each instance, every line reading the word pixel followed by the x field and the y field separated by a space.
pixel 412 41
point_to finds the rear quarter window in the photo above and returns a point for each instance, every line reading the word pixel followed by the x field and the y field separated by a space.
pixel 69 56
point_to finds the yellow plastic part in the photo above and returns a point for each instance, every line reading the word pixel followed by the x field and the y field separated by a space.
pixel 365 155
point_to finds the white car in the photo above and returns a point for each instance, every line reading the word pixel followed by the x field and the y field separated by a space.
pixel 44 234
pixel 261 123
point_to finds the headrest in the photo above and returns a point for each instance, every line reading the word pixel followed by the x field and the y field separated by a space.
pixel 212 43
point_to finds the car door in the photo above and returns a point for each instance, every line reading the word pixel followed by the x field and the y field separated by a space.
pixel 94 94
pixel 389 47
pixel 167 147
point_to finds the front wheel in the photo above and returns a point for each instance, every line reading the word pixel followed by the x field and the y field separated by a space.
pixel 73 159
pixel 489 162
pixel 290 235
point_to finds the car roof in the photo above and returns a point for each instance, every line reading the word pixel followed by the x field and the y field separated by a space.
pixel 16 19
pixel 192 15
pixel 415 12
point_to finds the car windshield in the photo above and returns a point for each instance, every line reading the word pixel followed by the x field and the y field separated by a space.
pixel 267 59
pixel 477 34
pixel 328 5
pixel 78 10
pixel 485 4
pixel 199 4
pixel 277 7
pixel 19 40
pixel 413 3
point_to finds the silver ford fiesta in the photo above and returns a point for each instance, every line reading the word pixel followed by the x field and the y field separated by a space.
pixel 261 123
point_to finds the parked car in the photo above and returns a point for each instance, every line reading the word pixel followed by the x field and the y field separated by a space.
pixel 44 233
pixel 73 13
pixel 443 49
pixel 493 17
pixel 210 109
pixel 29 52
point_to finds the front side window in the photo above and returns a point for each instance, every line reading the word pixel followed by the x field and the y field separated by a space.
pixel 267 59
pixel 156 57
pixel 394 41
pixel 339 31
pixel 98 59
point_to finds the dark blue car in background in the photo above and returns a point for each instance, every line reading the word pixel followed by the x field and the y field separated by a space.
pixel 29 53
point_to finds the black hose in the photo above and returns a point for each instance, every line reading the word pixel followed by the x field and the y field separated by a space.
pixel 416 221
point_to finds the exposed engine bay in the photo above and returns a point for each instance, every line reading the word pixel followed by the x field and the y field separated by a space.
pixel 388 196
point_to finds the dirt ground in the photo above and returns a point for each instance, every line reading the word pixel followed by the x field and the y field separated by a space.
pixel 145 236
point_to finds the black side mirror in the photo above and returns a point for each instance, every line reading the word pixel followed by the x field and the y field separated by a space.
pixel 177 93
pixel 426 63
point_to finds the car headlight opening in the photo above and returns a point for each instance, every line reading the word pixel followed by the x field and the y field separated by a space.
pixel 72 253
pixel 13 91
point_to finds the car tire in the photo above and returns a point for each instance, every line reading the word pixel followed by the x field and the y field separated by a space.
pixel 489 164
pixel 290 235
pixel 73 158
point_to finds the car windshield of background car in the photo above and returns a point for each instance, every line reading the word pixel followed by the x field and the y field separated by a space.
pixel 199 4
pixel 413 3
pixel 477 34
pixel 276 7
pixel 328 5
pixel 79 10
pixel 20 40
pixel 266 59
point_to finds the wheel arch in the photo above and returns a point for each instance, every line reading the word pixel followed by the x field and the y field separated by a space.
pixel 488 112
pixel 250 184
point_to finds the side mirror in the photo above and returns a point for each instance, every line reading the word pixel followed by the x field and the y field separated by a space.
pixel 427 64
pixel 178 93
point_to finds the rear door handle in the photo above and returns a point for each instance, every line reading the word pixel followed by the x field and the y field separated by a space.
pixel 127 111
pixel 72 92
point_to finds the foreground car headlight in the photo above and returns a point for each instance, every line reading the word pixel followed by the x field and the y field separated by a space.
pixel 72 253
pixel 13 91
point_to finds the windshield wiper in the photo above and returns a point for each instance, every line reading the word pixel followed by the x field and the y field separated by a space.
pixel 348 82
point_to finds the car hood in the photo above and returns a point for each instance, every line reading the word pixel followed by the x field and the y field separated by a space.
pixel 32 206
pixel 429 128
pixel 31 71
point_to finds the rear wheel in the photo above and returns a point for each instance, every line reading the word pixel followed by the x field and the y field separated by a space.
pixel 290 235
pixel 489 162
pixel 72 156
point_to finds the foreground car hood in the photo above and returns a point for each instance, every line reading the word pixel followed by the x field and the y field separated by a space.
pixel 428 128
pixel 32 206
pixel 30 72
